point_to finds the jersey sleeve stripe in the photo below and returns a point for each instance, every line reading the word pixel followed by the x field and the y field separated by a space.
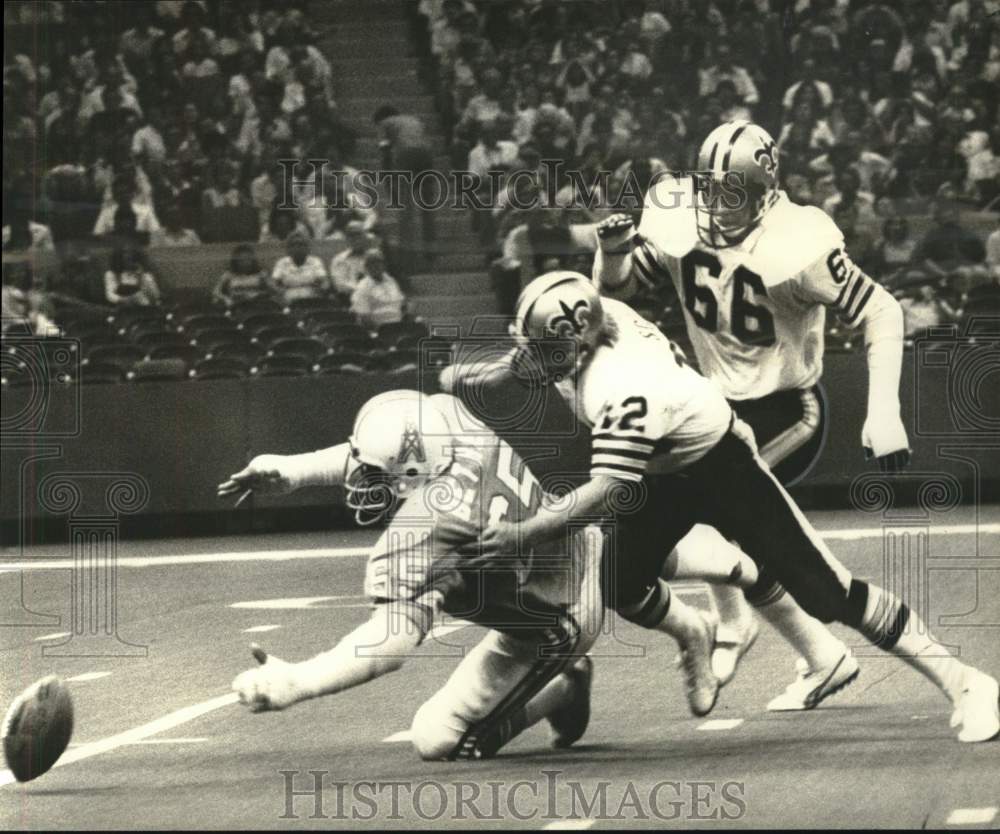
pixel 616 471
pixel 855 289
pixel 624 438
pixel 621 454
pixel 861 305
pixel 607 445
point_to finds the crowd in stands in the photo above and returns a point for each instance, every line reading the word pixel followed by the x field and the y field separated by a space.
pixel 880 110
pixel 141 126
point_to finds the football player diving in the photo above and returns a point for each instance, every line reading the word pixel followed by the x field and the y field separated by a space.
pixel 667 437
pixel 754 273
pixel 418 461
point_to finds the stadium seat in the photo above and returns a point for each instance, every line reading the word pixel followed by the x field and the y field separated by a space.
pixel 209 339
pixel 156 338
pixel 269 335
pixel 281 366
pixel 245 309
pixel 234 351
pixel 118 355
pixel 259 321
pixel 392 333
pixel 208 369
pixel 306 305
pixel 186 353
pixel 135 331
pixel 193 325
pixel 101 374
pixel 315 320
pixel 125 317
pixel 408 359
pixel 308 349
pixel 159 370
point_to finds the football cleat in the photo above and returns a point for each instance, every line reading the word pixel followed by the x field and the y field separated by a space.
pixel 730 646
pixel 700 682
pixel 268 687
pixel 569 722
pixel 978 709
pixel 813 686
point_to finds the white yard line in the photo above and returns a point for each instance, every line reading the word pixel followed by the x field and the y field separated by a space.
pixel 255 629
pixel 137 734
pixel 395 738
pixel 57 635
pixel 720 724
pixel 197 740
pixel 971 816
pixel 568 825
pixel 358 552
pixel 89 676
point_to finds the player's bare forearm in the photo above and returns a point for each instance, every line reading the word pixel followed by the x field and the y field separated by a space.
pixel 478 373
pixel 586 502
pixel 375 648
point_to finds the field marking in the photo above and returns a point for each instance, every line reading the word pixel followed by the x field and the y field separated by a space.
pixel 357 552
pixel 446 628
pixel 395 738
pixel 54 636
pixel 971 816
pixel 190 740
pixel 720 724
pixel 89 676
pixel 255 629
pixel 160 725
pixel 281 603
pixel 568 825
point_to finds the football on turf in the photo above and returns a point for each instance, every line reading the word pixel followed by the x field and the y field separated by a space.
pixel 37 728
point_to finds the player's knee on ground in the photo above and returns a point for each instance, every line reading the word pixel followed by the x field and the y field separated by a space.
pixel 432 734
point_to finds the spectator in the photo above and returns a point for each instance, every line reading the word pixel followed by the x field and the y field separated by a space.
pixel 492 153
pixel 173 232
pixel 848 193
pixel 993 253
pixel 348 267
pixel 949 250
pixel 924 309
pixel 244 280
pixel 819 90
pixel 123 196
pixel 281 224
pixel 723 68
pixel 22 233
pixel 127 282
pixel 894 250
pixel 377 299
pixel 24 306
pixel 406 148
pixel 299 274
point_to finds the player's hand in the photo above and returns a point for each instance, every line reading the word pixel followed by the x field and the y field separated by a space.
pixel 614 233
pixel 500 540
pixel 884 439
pixel 263 474
pixel 269 686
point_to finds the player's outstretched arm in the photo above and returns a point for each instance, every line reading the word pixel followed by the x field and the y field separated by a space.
pixel 478 372
pixel 375 648
pixel 281 474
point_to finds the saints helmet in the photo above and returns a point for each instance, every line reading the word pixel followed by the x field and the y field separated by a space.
pixel 559 315
pixel 400 440
pixel 736 183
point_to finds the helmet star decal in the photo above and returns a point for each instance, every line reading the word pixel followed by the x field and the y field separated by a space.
pixel 573 319
pixel 412 446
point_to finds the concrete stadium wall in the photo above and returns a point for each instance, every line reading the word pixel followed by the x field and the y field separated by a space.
pixel 176 441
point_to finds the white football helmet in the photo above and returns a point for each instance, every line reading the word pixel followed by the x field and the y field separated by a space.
pixel 737 182
pixel 400 440
pixel 560 316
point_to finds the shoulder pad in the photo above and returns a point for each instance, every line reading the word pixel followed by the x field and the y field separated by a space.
pixel 794 237
pixel 668 218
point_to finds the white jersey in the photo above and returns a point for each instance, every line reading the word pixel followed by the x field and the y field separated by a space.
pixel 755 312
pixel 648 410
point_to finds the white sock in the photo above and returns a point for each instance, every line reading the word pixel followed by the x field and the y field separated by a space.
pixel 807 635
pixel 915 644
pixel 552 696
